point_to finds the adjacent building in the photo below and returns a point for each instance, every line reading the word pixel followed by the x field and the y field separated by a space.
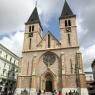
pixel 48 63
pixel 93 68
pixel 89 76
pixel 91 87
pixel 8 71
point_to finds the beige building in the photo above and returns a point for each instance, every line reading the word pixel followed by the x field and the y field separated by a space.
pixel 47 63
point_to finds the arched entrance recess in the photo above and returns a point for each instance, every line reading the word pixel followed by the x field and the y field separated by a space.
pixel 49 82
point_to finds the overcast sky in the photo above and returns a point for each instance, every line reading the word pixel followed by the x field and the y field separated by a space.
pixel 14 13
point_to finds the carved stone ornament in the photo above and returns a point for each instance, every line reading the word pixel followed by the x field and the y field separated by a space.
pixel 49 58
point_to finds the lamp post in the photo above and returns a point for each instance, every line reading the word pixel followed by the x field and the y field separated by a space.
pixel 31 75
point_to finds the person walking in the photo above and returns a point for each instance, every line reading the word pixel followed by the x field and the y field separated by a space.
pixel 60 93
pixel 39 93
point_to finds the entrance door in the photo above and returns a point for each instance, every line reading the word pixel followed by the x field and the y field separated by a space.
pixel 48 86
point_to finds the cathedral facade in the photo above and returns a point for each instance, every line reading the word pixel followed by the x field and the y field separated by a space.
pixel 48 63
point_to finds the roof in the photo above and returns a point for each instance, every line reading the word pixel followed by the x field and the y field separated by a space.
pixel 51 35
pixel 34 18
pixel 8 51
pixel 66 12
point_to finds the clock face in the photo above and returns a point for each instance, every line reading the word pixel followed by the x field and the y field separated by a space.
pixel 49 58
pixel 31 34
pixel 68 29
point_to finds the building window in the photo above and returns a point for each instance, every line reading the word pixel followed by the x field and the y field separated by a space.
pixel 29 43
pixel 69 22
pixel 11 59
pixel 65 22
pixel 29 28
pixel 48 41
pixel 69 40
pixel 4 65
pixel 32 28
pixel 6 56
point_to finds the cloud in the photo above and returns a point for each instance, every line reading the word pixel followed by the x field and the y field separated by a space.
pixel 14 13
pixel 88 56
pixel 14 42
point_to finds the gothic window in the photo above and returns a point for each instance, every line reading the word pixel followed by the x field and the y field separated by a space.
pixel 32 28
pixel 65 22
pixel 69 41
pixel 29 43
pixel 29 28
pixel 48 41
pixel 69 22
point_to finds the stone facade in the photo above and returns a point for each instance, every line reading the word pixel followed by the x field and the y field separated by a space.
pixel 47 63
pixel 8 71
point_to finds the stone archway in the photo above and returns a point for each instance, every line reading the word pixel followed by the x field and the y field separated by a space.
pixel 49 63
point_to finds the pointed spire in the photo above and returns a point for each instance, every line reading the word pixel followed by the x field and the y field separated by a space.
pixel 34 18
pixel 66 11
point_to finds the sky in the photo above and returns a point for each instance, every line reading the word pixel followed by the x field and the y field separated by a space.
pixel 14 14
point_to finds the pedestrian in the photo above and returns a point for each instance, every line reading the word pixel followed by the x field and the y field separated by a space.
pixel 39 92
pixel 53 92
pixel 60 93
pixel 70 93
pixel 66 93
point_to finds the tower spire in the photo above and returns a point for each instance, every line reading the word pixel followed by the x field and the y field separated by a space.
pixel 66 10
pixel 34 18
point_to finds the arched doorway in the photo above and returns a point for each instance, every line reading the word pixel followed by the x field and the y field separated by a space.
pixel 49 82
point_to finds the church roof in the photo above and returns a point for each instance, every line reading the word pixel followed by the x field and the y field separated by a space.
pixel 34 18
pixel 66 12
pixel 51 35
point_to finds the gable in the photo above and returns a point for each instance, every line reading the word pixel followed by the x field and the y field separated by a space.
pixel 45 41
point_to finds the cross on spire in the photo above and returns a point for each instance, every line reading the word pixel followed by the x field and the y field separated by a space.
pixel 36 3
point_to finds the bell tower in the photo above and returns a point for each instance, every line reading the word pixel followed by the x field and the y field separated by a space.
pixel 68 29
pixel 33 31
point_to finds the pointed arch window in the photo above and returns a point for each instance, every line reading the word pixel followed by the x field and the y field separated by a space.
pixel 65 22
pixel 69 22
pixel 30 43
pixel 33 28
pixel 29 28
pixel 69 40
pixel 48 41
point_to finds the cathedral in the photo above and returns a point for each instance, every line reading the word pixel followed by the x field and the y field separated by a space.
pixel 47 63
